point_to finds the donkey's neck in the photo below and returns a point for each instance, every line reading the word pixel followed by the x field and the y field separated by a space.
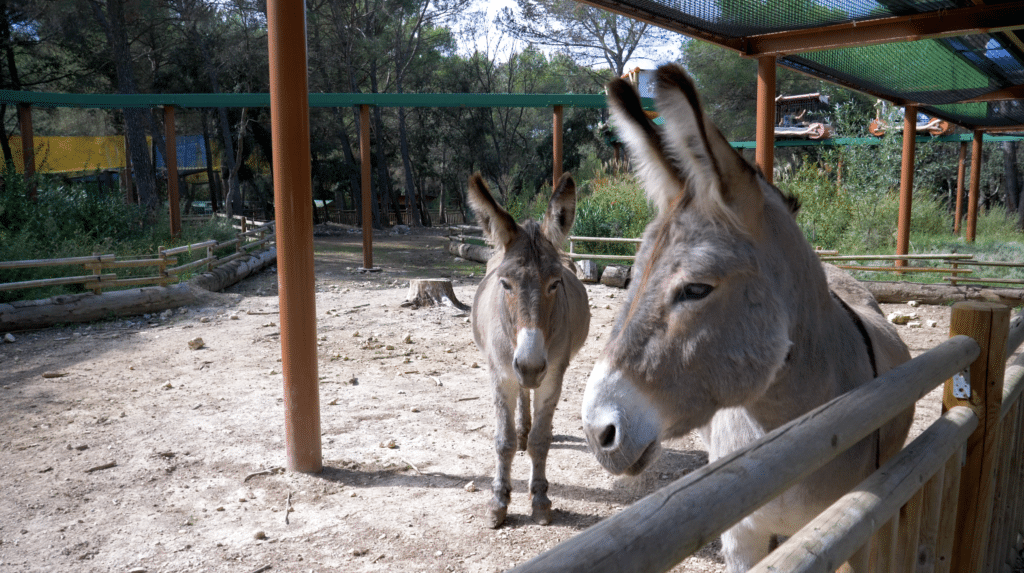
pixel 829 354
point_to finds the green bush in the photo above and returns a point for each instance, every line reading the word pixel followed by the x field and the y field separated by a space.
pixel 613 207
pixel 80 220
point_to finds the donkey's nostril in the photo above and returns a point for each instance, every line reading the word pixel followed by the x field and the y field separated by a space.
pixel 607 437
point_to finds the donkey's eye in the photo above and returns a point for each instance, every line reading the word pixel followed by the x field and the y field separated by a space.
pixel 554 286
pixel 505 285
pixel 692 291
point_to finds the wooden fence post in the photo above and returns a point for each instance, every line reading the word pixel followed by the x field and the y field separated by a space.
pixel 982 391
pixel 973 193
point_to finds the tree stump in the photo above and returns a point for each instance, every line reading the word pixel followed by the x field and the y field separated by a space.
pixel 616 276
pixel 432 292
pixel 586 271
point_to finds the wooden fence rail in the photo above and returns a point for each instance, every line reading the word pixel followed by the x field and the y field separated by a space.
pixel 244 243
pixel 922 507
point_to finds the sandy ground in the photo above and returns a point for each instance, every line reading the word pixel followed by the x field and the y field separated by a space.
pixel 126 451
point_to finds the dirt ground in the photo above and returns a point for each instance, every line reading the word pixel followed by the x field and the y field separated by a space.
pixel 124 450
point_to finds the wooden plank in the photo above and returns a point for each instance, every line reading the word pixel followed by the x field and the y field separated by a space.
pixel 55 262
pixel 931 516
pixel 55 282
pixel 837 533
pixel 130 263
pixel 187 248
pixel 910 530
pixel 660 530
pixel 924 257
pixel 988 324
pixel 947 520
pixel 905 269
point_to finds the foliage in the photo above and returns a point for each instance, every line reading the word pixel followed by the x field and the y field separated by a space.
pixel 80 220
pixel 614 206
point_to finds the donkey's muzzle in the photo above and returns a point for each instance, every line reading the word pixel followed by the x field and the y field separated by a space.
pixel 620 425
pixel 530 360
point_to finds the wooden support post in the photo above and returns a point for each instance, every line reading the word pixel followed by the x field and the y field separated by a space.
pixel 959 210
pixel 974 191
pixel 764 154
pixel 171 162
pixel 28 147
pixel 364 158
pixel 556 139
pixel 988 324
pixel 906 183
pixel 293 204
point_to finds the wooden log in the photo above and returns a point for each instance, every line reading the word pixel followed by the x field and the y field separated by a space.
pixel 432 292
pixel 898 292
pixel 87 307
pixel 587 271
pixel 475 253
pixel 836 534
pixel 616 276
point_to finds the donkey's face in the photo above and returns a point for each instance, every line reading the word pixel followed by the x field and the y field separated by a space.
pixel 528 271
pixel 702 327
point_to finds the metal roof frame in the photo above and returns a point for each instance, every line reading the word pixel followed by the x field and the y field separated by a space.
pixel 793 44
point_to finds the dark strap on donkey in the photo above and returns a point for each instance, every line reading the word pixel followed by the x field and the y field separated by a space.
pixel 874 365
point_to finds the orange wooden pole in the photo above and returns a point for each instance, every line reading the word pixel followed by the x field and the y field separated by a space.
pixel 364 158
pixel 974 191
pixel 171 161
pixel 293 205
pixel 906 183
pixel 556 138
pixel 961 164
pixel 28 146
pixel 764 154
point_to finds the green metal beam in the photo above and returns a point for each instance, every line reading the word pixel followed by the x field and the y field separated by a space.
pixel 116 101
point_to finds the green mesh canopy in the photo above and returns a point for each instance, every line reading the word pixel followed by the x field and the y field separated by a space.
pixel 938 73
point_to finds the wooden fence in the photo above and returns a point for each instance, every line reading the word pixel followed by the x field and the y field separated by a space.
pixel 951 500
pixel 164 263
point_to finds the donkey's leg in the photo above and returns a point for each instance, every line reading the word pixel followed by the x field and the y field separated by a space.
pixel 523 423
pixel 505 446
pixel 545 399
pixel 744 545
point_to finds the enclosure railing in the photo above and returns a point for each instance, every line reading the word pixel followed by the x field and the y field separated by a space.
pixel 246 242
pixel 951 499
pixel 953 270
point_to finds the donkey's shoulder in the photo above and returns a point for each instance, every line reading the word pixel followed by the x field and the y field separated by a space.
pixel 890 350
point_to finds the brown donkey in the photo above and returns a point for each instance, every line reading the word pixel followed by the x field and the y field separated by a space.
pixel 530 317
pixel 731 324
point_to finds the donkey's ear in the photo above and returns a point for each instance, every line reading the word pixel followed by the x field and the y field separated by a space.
pixel 499 227
pixel 561 211
pixel 658 176
pixel 722 182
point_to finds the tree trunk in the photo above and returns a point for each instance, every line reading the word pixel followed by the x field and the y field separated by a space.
pixel 432 292
pixel 1010 173
pixel 412 199
pixel 114 26
pixel 212 181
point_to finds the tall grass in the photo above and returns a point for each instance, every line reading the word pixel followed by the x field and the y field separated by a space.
pixel 612 206
pixel 79 220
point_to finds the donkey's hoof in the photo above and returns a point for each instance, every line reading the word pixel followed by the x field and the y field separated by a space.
pixel 541 511
pixel 496 514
